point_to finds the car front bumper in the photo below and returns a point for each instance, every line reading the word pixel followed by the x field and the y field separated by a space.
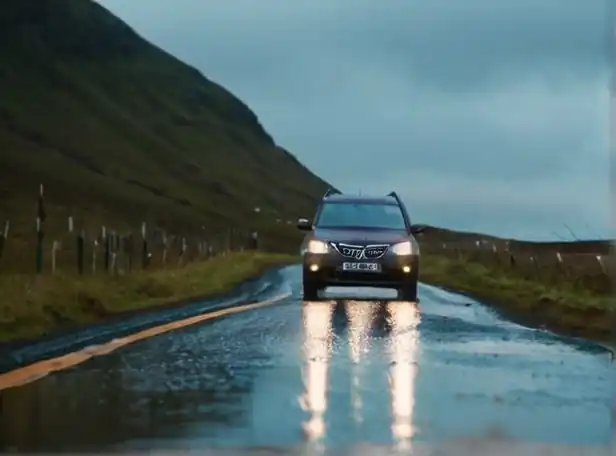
pixel 395 270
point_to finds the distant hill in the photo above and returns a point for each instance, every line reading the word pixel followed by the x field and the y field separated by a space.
pixel 120 131
pixel 434 234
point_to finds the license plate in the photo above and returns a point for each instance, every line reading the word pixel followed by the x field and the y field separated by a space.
pixel 370 267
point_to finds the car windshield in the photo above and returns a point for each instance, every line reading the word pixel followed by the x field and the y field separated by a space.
pixel 361 215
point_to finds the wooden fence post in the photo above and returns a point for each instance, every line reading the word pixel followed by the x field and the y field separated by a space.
pixel 164 253
pixel 182 251
pixel 561 265
pixel 602 265
pixel 40 219
pixel 533 259
pixel 112 249
pixel 4 237
pixel 106 248
pixel 54 253
pixel 130 248
pixel 496 254
pixel 94 249
pixel 80 251
pixel 144 246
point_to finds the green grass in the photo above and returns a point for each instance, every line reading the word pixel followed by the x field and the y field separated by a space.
pixel 559 306
pixel 119 131
pixel 34 306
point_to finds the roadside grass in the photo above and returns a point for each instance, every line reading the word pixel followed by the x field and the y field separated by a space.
pixel 559 306
pixel 34 306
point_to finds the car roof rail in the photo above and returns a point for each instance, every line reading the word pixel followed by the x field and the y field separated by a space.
pixel 332 191
pixel 396 197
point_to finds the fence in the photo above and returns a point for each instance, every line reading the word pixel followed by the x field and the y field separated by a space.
pixel 106 250
pixel 546 264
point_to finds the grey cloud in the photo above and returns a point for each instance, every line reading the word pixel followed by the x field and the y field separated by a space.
pixel 488 112
pixel 441 40
pixel 459 43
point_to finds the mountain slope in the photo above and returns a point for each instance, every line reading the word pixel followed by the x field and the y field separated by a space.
pixel 120 131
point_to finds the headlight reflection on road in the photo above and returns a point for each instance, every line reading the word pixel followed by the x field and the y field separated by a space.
pixel 404 347
pixel 317 334
pixel 360 317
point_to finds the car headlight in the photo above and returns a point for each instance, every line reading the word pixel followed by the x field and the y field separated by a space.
pixel 318 247
pixel 403 248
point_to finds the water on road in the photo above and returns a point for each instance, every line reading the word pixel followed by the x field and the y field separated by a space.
pixel 342 371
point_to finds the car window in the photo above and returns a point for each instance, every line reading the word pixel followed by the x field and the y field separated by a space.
pixel 364 215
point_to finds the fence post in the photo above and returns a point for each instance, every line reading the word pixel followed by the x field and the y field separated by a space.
pixel 94 249
pixel 536 264
pixel 54 252
pixel 80 252
pixel 40 219
pixel 561 265
pixel 129 251
pixel 164 254
pixel 120 253
pixel 112 250
pixel 4 237
pixel 182 250
pixel 106 247
pixel 144 246
pixel 495 253
pixel 602 265
pixel 39 246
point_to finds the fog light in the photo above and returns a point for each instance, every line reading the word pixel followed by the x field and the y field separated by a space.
pixel 406 269
pixel 314 267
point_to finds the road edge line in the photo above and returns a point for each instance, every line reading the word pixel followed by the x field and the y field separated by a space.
pixel 37 370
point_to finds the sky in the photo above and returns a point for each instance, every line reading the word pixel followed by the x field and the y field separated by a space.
pixel 484 115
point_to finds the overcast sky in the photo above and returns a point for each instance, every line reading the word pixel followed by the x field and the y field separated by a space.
pixel 485 115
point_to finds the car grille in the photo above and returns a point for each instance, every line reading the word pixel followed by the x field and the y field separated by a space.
pixel 361 252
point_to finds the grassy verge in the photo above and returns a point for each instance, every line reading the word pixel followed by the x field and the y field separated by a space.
pixel 559 307
pixel 35 306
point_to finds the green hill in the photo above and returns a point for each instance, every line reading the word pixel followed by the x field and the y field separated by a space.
pixel 435 235
pixel 119 131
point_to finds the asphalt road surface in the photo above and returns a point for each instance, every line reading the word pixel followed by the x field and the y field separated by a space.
pixel 340 372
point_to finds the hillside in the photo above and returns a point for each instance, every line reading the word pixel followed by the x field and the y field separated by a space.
pixel 120 131
pixel 437 235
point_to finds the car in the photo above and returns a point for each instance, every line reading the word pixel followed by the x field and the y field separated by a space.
pixel 359 241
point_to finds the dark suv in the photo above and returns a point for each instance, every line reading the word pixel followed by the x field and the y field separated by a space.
pixel 358 240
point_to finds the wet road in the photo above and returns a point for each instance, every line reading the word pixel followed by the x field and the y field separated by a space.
pixel 341 372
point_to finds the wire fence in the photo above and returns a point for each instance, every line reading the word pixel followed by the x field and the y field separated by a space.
pixel 86 250
pixel 105 250
pixel 588 270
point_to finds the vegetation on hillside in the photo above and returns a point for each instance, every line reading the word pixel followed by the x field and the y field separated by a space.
pixel 120 131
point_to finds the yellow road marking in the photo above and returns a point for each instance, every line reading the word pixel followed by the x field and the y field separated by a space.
pixel 35 371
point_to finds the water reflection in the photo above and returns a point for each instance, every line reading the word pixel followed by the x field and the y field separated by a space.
pixel 129 395
pixel 316 353
pixel 360 319
pixel 403 350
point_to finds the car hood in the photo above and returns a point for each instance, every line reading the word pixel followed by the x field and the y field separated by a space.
pixel 359 236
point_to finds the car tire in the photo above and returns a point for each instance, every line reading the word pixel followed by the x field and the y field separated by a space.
pixel 408 292
pixel 311 290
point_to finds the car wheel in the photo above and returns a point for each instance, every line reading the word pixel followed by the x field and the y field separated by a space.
pixel 311 290
pixel 408 292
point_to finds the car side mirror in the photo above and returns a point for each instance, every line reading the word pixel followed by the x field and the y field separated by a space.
pixel 418 229
pixel 304 224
